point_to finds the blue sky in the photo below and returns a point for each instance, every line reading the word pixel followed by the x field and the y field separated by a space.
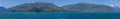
pixel 11 3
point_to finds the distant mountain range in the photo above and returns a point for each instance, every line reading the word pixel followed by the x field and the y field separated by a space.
pixel 50 7
pixel 116 8
pixel 2 9
pixel 36 7
pixel 87 7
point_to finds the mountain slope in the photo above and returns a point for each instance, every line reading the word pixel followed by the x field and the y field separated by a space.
pixel 87 7
pixel 36 7
pixel 3 9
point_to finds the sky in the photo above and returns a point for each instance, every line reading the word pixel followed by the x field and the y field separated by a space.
pixel 12 3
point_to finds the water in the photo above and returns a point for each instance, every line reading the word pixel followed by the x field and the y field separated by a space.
pixel 59 15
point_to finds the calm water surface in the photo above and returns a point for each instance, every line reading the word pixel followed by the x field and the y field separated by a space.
pixel 60 15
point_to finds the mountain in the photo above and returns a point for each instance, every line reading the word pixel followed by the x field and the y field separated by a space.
pixel 87 7
pixel 36 7
pixel 3 9
pixel 50 7
pixel 116 8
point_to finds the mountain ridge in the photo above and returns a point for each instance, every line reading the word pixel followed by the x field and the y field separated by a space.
pixel 38 6
pixel 50 7
pixel 86 7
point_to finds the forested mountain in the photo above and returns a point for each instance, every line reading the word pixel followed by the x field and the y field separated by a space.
pixel 36 7
pixel 50 7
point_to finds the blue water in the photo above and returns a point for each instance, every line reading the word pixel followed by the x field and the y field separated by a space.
pixel 59 15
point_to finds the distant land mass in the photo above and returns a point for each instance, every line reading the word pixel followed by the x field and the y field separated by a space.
pixel 50 7
pixel 88 7
pixel 36 7
pixel 3 9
